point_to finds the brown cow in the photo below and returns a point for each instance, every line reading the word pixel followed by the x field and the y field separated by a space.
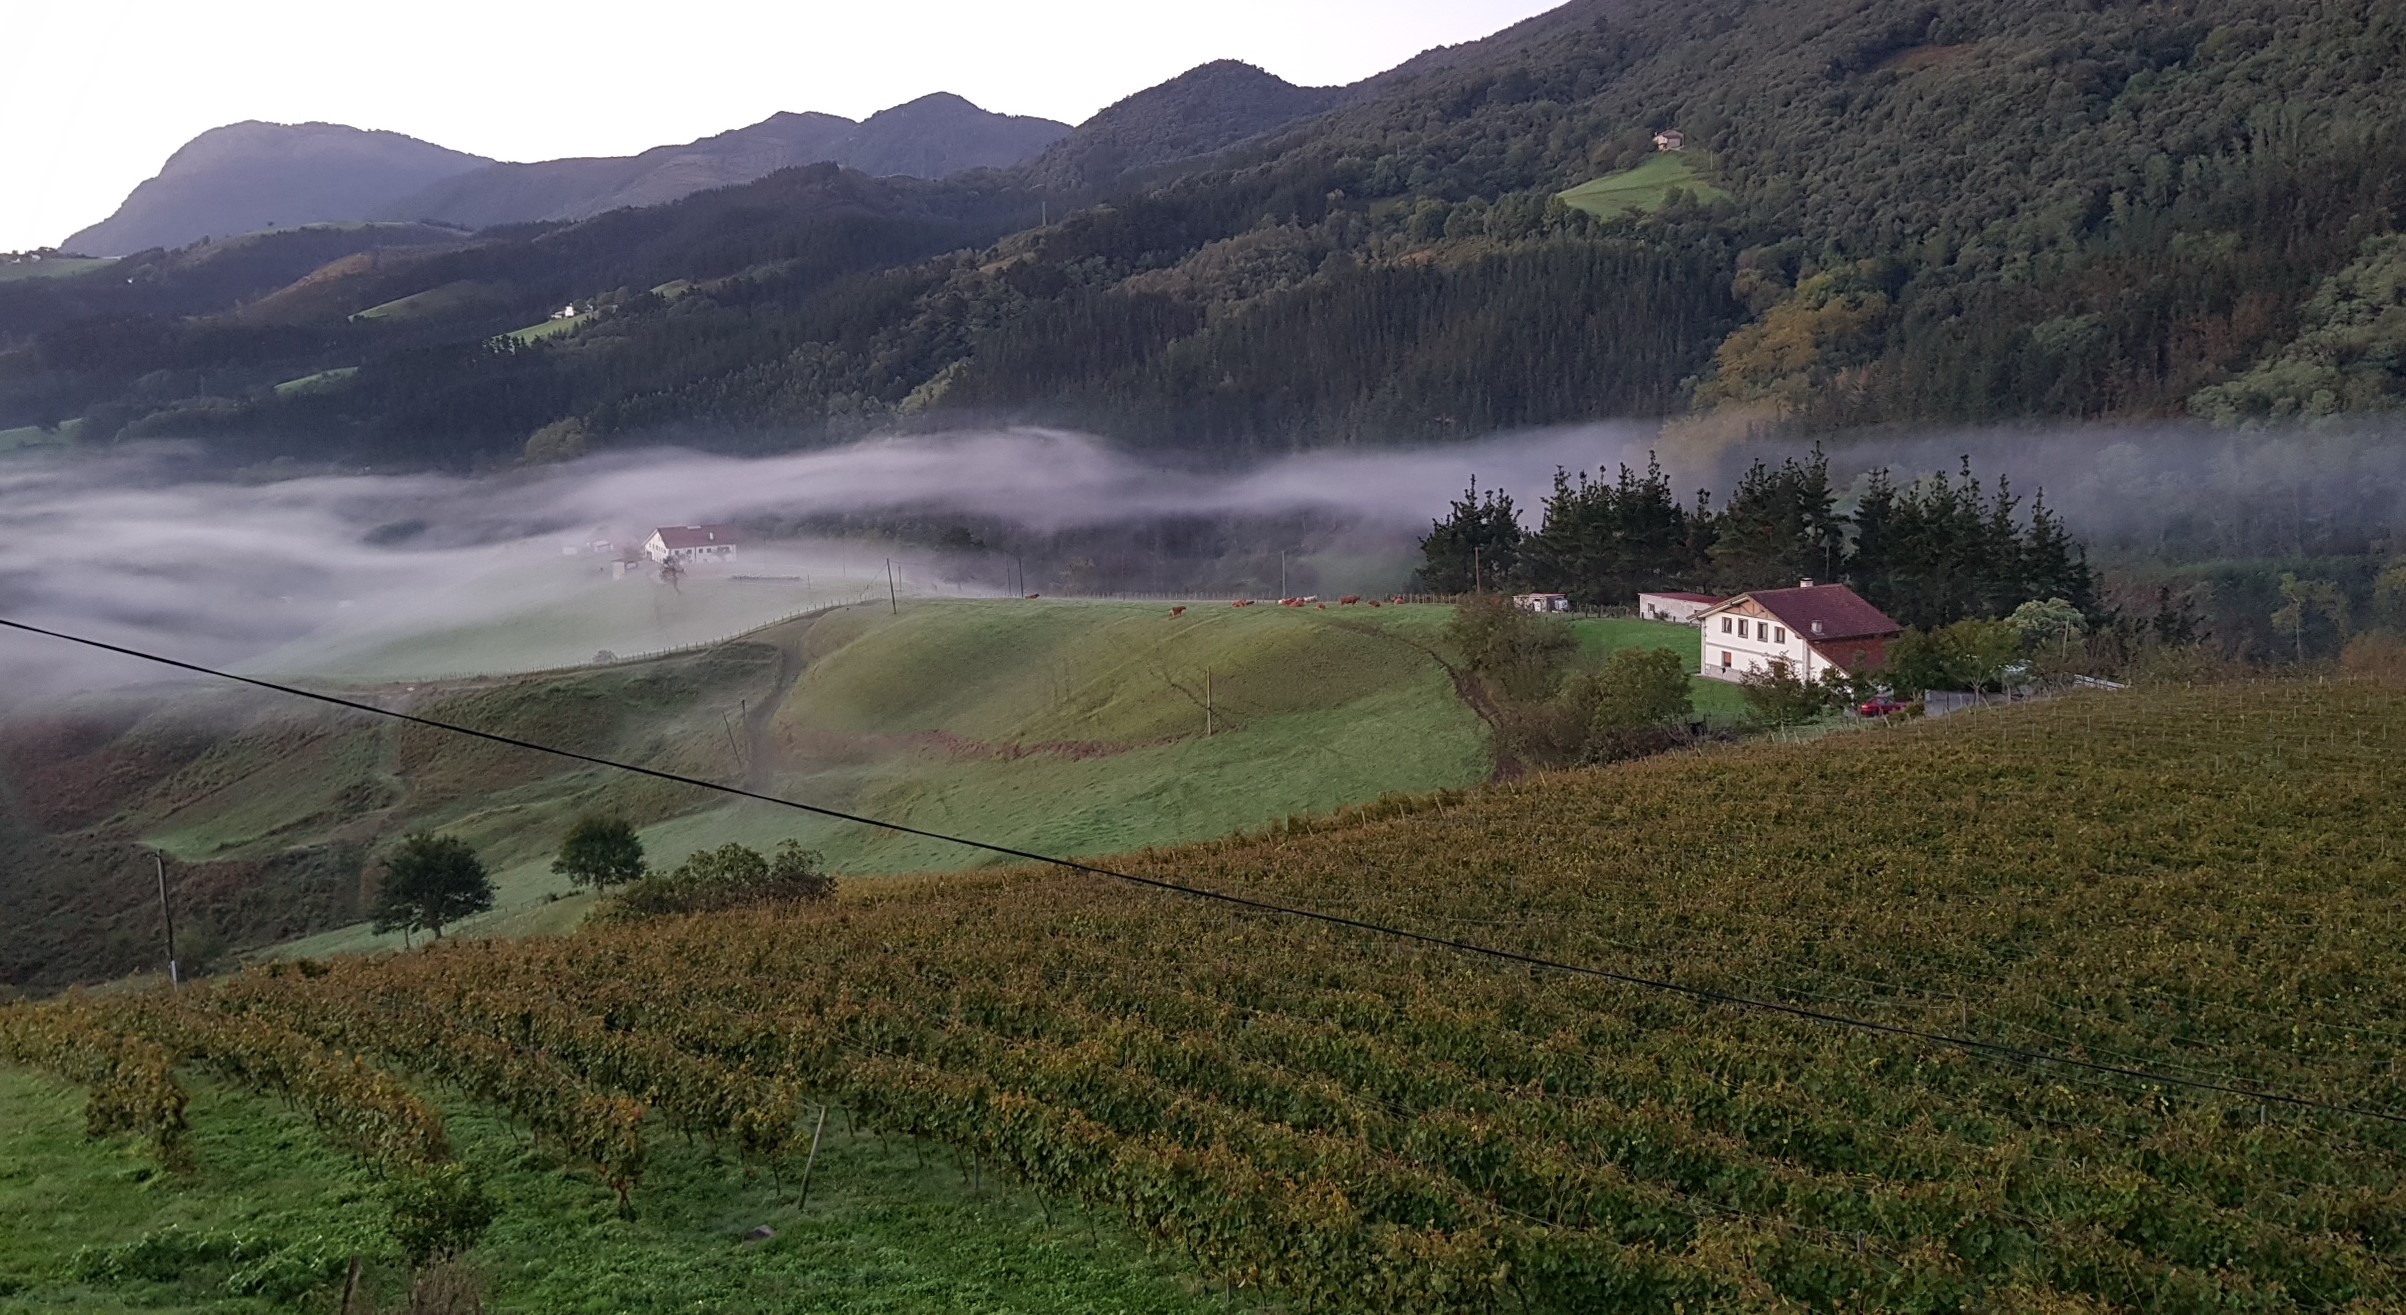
pixel 1177 612
pixel 1349 600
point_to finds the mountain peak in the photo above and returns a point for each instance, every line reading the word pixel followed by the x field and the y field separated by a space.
pixel 1208 108
pixel 251 175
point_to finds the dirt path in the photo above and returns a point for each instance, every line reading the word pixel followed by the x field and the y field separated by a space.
pixel 762 756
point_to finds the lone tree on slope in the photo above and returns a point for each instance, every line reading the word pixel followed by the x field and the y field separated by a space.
pixel 600 852
pixel 431 881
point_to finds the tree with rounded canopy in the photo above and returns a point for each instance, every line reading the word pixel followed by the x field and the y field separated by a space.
pixel 600 852
pixel 429 882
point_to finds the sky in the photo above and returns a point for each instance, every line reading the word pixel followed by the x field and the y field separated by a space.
pixel 113 87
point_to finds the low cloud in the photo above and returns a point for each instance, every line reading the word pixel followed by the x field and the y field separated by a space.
pixel 138 547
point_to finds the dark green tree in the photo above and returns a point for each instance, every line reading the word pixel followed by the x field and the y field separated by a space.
pixel 1779 526
pixel 600 852
pixel 431 882
pixel 1604 541
pixel 1476 547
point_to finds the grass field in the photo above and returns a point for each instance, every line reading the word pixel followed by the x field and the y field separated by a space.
pixel 887 1229
pixel 319 382
pixel 50 267
pixel 448 299
pixel 543 612
pixel 30 436
pixel 552 328
pixel 1060 726
pixel 2191 885
pixel 1641 190
pixel 1072 727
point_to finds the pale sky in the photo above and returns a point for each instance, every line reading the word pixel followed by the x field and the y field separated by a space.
pixel 101 92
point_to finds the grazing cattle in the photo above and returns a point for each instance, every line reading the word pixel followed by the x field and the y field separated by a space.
pixel 1374 602
pixel 1034 597
pixel 1177 612
pixel 1242 602
pixel 1349 600
pixel 1322 606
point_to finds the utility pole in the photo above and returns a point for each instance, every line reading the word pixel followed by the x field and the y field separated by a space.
pixel 175 979
pixel 1478 583
pixel 1209 702
pixel 1282 573
pixel 893 600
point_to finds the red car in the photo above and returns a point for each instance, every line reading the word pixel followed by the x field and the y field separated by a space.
pixel 1882 706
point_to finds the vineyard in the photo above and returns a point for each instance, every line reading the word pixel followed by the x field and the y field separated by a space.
pixel 2193 893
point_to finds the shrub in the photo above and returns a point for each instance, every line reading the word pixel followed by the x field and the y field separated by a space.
pixel 730 876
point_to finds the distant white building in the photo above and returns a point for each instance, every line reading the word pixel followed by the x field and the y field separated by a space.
pixel 1541 602
pixel 1686 609
pixel 1814 628
pixel 1670 139
pixel 687 544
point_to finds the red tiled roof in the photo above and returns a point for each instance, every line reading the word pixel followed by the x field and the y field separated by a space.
pixel 1854 656
pixel 1840 611
pixel 695 536
pixel 1685 598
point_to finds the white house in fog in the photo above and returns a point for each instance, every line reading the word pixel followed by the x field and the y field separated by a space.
pixel 687 544
pixel 1685 609
pixel 1816 628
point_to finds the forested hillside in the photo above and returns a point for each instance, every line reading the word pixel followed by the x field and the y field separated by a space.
pixel 1951 210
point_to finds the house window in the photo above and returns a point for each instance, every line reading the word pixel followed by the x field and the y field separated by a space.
pixel 1725 659
pixel 1725 628
pixel 1762 630
pixel 1779 634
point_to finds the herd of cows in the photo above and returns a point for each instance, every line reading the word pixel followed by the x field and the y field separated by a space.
pixel 1309 600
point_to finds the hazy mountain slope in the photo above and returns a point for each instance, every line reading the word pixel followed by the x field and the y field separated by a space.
pixel 1195 113
pixel 1886 214
pixel 939 135
pixel 250 176
pixel 578 188
pixel 927 138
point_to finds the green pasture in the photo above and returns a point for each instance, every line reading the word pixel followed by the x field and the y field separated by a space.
pixel 316 383
pixel 1643 189
pixel 889 1228
pixel 432 303
pixel 50 267
pixel 550 328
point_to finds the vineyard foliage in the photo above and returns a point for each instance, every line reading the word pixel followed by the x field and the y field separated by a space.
pixel 2199 883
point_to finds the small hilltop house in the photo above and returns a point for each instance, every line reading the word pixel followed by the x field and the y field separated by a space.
pixel 688 544
pixel 1670 139
pixel 1686 609
pixel 1542 603
pixel 1815 628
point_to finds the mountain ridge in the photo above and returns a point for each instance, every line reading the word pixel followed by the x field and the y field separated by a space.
pixel 253 175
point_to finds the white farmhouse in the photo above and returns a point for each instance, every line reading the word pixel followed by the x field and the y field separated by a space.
pixel 1815 628
pixel 1686 609
pixel 687 544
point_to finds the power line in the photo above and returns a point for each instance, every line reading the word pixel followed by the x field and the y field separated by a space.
pixel 1703 994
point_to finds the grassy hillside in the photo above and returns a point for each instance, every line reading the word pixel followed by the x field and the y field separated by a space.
pixel 2196 882
pixel 49 267
pixel 1641 190
pixel 1068 727
pixel 1072 727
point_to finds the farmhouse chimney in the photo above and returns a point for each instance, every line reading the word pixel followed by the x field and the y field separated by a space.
pixel 1805 583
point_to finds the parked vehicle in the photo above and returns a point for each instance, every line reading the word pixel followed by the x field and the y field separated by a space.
pixel 1883 706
